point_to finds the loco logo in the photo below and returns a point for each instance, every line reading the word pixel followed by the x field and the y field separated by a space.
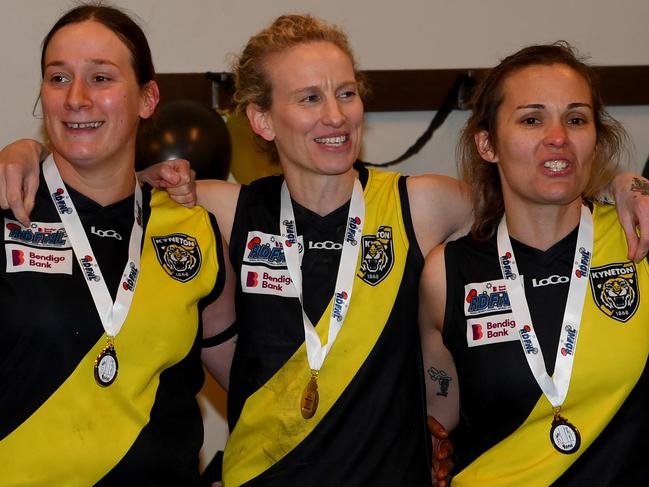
pixel 584 263
pixel 36 235
pixel 179 254
pixel 59 198
pixel 526 339
pixel 615 290
pixel 571 341
pixel 88 266
pixel 340 300
pixel 377 256
pixel 352 225
pixel 506 263
pixel 131 279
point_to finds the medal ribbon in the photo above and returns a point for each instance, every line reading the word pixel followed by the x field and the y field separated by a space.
pixel 316 352
pixel 555 388
pixel 112 315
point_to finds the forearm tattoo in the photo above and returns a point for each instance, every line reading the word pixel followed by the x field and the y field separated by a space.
pixel 442 378
pixel 640 185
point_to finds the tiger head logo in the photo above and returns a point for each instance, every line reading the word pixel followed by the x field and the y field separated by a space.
pixel 178 258
pixel 615 290
pixel 617 293
pixel 377 256
pixel 179 255
pixel 375 259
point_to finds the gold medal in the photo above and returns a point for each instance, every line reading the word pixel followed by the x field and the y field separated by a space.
pixel 564 435
pixel 309 402
pixel 106 365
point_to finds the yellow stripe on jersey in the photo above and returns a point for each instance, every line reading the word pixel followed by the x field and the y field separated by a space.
pixel 271 424
pixel 609 361
pixel 83 430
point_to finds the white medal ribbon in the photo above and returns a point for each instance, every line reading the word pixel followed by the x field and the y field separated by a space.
pixel 555 388
pixel 112 315
pixel 316 352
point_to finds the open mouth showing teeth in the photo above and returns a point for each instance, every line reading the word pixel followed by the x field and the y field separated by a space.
pixel 85 125
pixel 333 141
pixel 555 166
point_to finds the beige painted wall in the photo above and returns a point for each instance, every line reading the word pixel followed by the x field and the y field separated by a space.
pixel 198 35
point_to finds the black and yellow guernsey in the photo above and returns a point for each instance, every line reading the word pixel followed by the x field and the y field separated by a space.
pixel 59 427
pixel 504 435
pixel 369 427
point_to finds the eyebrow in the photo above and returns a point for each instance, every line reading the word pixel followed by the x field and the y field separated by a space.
pixel 540 106
pixel 306 89
pixel 96 62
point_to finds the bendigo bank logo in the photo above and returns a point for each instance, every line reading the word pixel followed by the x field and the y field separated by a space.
pixel 17 257
pixel 615 290
pixel 377 256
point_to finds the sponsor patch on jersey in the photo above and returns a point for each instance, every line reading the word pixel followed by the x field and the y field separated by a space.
pixel 179 255
pixel 21 258
pixel 486 297
pixel 491 329
pixel 377 257
pixel 266 248
pixel 615 290
pixel 46 235
pixel 261 280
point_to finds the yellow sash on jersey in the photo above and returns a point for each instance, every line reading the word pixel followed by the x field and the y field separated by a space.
pixel 609 353
pixel 83 430
pixel 271 424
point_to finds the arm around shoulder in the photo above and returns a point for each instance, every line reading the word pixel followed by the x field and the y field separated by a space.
pixel 19 173
pixel 219 198
pixel 440 207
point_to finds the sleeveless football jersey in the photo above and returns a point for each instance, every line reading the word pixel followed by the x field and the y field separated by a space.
pixel 369 427
pixel 59 426
pixel 504 433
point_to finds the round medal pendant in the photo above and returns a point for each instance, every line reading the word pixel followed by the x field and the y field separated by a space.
pixel 310 397
pixel 564 436
pixel 106 366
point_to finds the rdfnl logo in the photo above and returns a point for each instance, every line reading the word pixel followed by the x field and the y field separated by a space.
pixel 506 262
pixel 291 237
pixel 584 263
pixel 571 340
pixel 59 198
pixel 352 225
pixel 88 267
pixel 340 300
pixel 131 278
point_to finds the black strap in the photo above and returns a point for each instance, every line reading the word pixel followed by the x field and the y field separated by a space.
pixel 220 338
pixel 456 96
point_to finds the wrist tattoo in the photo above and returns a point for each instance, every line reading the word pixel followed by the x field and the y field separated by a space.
pixel 640 185
pixel 441 377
